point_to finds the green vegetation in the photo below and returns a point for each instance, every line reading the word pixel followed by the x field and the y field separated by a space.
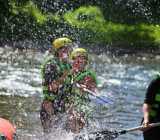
pixel 88 24
pixel 32 10
pixel 91 20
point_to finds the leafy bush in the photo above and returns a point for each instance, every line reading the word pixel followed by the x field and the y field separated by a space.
pixel 96 30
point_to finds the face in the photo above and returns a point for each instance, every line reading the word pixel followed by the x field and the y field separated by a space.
pixel 79 63
pixel 63 53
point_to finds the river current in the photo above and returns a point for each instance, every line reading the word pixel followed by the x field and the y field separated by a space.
pixel 123 78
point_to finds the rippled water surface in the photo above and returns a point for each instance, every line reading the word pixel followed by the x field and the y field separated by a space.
pixel 122 78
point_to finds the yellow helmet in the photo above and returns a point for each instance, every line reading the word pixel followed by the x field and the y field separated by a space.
pixel 61 42
pixel 79 51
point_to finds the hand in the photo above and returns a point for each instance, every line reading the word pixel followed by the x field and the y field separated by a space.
pixel 63 77
pixel 47 105
pixel 145 125
pixel 55 84
pixel 53 87
pixel 89 83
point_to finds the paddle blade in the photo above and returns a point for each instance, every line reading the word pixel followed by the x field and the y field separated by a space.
pixel 99 135
pixel 103 135
pixel 102 100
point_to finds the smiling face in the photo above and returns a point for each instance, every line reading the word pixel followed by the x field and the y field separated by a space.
pixel 79 63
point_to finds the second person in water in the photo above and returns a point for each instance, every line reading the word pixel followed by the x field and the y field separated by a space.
pixel 82 78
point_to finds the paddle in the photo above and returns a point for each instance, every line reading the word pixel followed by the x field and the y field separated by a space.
pixel 110 135
pixel 104 99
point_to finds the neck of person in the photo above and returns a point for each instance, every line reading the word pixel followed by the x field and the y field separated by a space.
pixel 62 60
pixel 76 72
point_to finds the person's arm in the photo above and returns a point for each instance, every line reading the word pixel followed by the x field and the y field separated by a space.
pixel 149 98
pixel 146 110
pixel 89 83
pixel 49 76
pixel 55 84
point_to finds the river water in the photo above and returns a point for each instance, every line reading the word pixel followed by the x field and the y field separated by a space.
pixel 123 78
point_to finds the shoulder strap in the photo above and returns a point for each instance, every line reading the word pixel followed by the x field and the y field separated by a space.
pixel 64 66
pixel 46 61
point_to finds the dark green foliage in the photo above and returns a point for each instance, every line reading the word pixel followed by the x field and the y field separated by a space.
pixel 93 21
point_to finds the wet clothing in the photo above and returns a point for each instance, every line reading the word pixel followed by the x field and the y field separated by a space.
pixel 81 98
pixel 80 108
pixel 67 98
pixel 54 101
pixel 153 99
pixel 52 70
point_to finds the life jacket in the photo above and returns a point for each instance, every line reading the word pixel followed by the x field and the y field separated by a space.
pixel 77 78
pixel 80 76
pixel 61 67
pixel 81 100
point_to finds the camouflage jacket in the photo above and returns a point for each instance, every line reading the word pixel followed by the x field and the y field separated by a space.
pixel 52 69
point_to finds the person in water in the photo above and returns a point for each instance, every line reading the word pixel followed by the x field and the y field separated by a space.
pixel 7 130
pixel 82 78
pixel 151 110
pixel 54 71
